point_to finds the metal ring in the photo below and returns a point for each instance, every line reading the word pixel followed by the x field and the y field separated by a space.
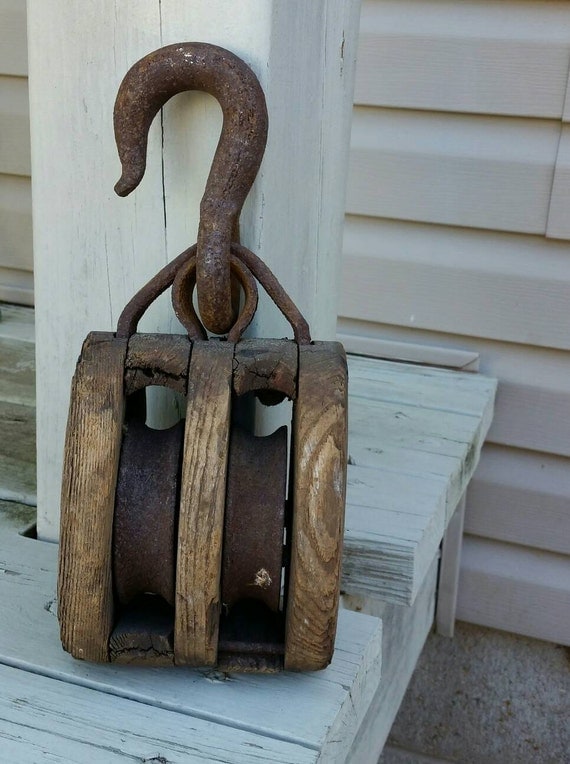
pixel 183 288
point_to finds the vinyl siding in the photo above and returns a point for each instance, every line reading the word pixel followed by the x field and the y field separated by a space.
pixel 16 262
pixel 456 241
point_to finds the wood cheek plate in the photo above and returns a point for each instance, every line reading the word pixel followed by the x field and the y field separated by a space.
pixel 319 459
pixel 202 501
pixel 91 458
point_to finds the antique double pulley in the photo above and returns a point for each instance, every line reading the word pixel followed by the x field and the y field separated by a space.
pixel 203 544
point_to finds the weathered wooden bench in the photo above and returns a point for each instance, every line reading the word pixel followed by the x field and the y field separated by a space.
pixel 415 436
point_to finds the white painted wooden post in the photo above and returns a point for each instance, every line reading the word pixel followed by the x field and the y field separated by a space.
pixel 93 250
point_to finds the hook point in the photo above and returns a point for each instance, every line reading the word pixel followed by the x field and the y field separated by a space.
pixel 123 187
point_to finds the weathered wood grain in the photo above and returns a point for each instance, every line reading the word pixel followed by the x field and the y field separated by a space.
pixel 46 720
pixel 415 436
pixel 202 499
pixel 17 405
pixel 261 365
pixel 17 372
pixel 143 634
pixel 17 323
pixel 91 460
pixel 319 487
pixel 157 359
pixel 17 452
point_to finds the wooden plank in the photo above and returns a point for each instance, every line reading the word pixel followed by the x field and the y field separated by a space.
pixel 389 544
pixel 17 406
pixel 16 517
pixel 494 58
pixel 326 703
pixel 17 323
pixel 482 172
pixel 17 453
pixel 17 371
pixel 14 126
pixel 405 632
pixel 515 589
pixel 319 448
pixel 202 501
pixel 16 223
pixel 449 573
pixel 43 719
pixel 414 439
pixel 521 497
pixel 533 400
pixel 438 278
pixel 13 50
pixel 91 460
pixel 427 388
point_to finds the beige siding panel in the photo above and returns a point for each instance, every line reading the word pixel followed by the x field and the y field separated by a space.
pixel 16 286
pixel 482 172
pixel 482 284
pixel 13 47
pixel 516 589
pixel 15 222
pixel 507 58
pixel 532 409
pixel 14 126
pixel 521 497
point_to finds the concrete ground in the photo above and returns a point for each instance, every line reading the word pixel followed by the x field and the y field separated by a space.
pixel 485 697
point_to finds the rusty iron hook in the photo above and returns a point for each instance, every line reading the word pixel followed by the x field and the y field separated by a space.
pixel 146 87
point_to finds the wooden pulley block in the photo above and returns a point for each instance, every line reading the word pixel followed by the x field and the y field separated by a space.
pixel 185 545
pixel 203 544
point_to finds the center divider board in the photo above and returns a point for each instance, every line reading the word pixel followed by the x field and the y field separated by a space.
pixel 319 711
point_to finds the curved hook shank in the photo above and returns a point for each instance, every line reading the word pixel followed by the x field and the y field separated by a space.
pixel 147 86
